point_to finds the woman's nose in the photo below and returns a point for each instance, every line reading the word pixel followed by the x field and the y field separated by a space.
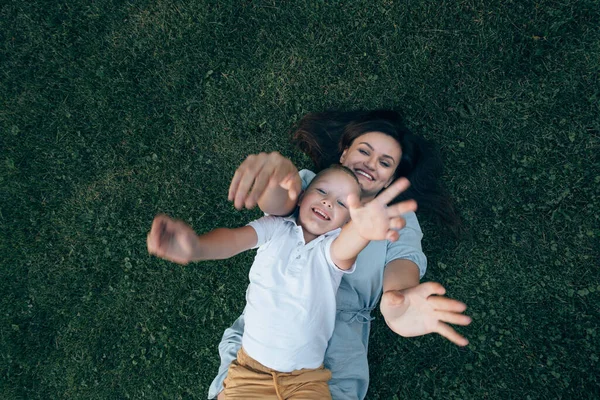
pixel 370 163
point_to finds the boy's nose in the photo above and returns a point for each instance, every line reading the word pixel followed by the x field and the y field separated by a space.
pixel 326 203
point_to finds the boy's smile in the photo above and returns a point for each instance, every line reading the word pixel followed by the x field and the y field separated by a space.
pixel 323 207
pixel 321 214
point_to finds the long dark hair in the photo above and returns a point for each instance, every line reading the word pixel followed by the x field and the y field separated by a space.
pixel 324 136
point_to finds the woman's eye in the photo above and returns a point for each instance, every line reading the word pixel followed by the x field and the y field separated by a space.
pixel 364 152
pixel 341 204
pixel 385 164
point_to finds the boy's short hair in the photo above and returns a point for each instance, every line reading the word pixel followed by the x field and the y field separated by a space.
pixel 334 167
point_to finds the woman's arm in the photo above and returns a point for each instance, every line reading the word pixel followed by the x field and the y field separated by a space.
pixel 400 274
pixel 269 180
pixel 231 342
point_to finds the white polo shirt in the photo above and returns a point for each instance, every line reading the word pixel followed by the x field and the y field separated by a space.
pixel 290 302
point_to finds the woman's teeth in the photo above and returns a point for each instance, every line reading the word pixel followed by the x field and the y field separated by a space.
pixel 363 173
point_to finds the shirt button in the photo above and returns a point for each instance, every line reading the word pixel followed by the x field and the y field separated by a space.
pixel 299 243
pixel 298 256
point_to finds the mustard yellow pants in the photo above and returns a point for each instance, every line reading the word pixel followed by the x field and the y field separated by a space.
pixel 248 379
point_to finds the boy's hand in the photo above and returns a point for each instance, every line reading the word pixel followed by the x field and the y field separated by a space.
pixel 172 240
pixel 375 220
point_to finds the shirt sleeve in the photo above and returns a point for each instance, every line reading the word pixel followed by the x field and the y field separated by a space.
pixel 265 228
pixel 326 246
pixel 408 247
pixel 307 176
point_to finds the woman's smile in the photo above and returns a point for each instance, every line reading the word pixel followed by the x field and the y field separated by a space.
pixel 373 157
pixel 360 173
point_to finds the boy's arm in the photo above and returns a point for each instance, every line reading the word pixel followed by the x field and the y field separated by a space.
pixel 223 243
pixel 346 246
pixel 176 241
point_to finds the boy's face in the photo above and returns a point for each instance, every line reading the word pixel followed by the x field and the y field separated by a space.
pixel 324 204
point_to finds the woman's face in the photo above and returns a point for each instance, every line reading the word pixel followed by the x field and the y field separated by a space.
pixel 373 157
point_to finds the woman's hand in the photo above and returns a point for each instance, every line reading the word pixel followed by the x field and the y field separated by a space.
pixel 260 173
pixel 172 240
pixel 378 221
pixel 417 311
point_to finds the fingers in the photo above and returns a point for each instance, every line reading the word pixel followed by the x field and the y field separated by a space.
pixel 353 201
pixel 153 239
pixel 450 334
pixel 160 233
pixel 286 183
pixel 244 177
pixel 243 185
pixel 255 174
pixel 397 223
pixel 150 244
pixel 453 318
pixel 293 193
pixel 153 242
pixel 397 187
pixel 440 303
pixel 160 238
pixel 233 186
pixel 291 184
pixel 430 288
pixel 258 187
pixel 401 208
pixel 392 235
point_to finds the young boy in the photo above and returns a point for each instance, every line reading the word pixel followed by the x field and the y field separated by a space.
pixel 290 301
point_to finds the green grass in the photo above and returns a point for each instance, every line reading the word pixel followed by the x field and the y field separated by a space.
pixel 113 111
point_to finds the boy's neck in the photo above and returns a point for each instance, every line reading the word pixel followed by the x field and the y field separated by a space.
pixel 308 237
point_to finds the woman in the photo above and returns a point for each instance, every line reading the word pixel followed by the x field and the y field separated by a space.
pixel 377 148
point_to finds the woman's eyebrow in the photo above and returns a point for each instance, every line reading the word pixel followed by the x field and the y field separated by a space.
pixel 383 155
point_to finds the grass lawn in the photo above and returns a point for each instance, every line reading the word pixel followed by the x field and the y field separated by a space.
pixel 113 111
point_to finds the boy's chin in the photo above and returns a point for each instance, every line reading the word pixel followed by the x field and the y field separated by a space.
pixel 317 231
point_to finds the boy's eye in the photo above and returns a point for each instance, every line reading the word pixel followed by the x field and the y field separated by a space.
pixel 341 204
pixel 321 191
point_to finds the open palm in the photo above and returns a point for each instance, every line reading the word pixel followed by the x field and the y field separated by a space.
pixel 421 310
pixel 376 220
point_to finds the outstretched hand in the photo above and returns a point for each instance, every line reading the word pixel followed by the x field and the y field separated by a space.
pixel 260 172
pixel 172 240
pixel 378 221
pixel 418 311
